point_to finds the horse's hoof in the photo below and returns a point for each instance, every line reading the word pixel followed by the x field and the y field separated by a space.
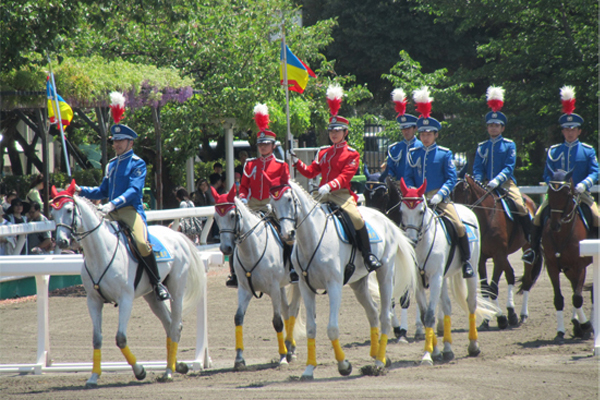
pixel 141 375
pixel 167 377
pixel 419 336
pixel 91 385
pixel 427 362
pixel 182 368
pixel 474 349
pixel 577 331
pixel 239 365
pixel 448 355
pixel 305 378
pixel 388 362
pixel 588 330
pixel 283 362
pixel 502 322
pixel 485 326
pixel 402 339
pixel 524 318
pixel 513 319
pixel 559 338
pixel 373 370
pixel 345 368
pixel 436 355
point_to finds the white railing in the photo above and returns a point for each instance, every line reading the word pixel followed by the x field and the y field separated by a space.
pixel 592 248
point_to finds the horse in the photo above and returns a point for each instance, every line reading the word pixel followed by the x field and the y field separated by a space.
pixel 109 275
pixel 561 235
pixel 324 261
pixel 437 260
pixel 257 254
pixel 501 237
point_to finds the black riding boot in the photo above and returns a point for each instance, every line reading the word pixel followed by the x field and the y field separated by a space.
pixel 232 279
pixel 287 252
pixel 161 291
pixel 536 236
pixel 371 261
pixel 526 225
pixel 465 252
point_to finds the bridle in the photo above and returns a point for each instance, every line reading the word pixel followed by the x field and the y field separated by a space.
pixel 560 186
pixel 480 200
pixel 421 228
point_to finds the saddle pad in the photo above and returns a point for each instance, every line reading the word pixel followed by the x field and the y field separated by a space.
pixel 160 251
pixel 373 236
pixel 507 209
pixel 470 231
pixel 275 233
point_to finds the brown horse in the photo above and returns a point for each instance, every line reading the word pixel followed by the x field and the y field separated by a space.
pixel 500 236
pixel 560 239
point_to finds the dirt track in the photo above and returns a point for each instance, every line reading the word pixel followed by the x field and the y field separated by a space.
pixel 518 363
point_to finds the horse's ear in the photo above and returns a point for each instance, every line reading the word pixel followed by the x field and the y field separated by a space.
pixel 569 175
pixel 71 189
pixel 422 188
pixel 284 179
pixel 403 187
pixel 53 192
pixel 216 195
pixel 231 194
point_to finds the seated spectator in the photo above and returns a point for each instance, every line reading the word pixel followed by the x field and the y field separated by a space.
pixel 16 214
pixel 38 242
pixel 34 195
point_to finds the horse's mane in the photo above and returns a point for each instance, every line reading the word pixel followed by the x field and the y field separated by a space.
pixel 477 183
pixel 302 190
pixel 89 203
pixel 240 204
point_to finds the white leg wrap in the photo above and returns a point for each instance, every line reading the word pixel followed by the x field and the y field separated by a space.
pixel 581 316
pixel 404 319
pixel 524 307
pixel 560 322
pixel 510 301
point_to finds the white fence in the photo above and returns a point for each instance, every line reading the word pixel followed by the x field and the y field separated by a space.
pixel 42 266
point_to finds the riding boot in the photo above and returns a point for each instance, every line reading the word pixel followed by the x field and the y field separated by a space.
pixel 536 236
pixel 526 225
pixel 465 251
pixel 232 278
pixel 161 291
pixel 371 261
pixel 287 252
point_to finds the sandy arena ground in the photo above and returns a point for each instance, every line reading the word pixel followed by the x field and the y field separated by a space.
pixel 517 363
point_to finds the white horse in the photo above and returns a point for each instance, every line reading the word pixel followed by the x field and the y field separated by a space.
pixel 109 272
pixel 425 230
pixel 258 262
pixel 320 258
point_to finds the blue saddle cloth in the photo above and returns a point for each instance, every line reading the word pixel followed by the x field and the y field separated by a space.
pixel 343 235
pixel 470 232
pixel 160 251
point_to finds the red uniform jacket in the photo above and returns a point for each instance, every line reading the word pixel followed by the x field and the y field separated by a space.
pixel 337 165
pixel 253 184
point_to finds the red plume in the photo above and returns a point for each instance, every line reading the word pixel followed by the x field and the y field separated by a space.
pixel 567 97
pixel 399 99
pixel 334 98
pixel 117 106
pixel 261 116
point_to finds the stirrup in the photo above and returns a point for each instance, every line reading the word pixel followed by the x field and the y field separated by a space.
pixel 372 263
pixel 468 270
pixel 528 256
pixel 161 291
pixel 232 281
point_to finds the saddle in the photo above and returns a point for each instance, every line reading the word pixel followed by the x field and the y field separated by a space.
pixel 276 228
pixel 585 213
pixel 452 236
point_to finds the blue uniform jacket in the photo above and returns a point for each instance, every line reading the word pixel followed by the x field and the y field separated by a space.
pixel 433 163
pixel 397 158
pixel 495 159
pixel 576 156
pixel 123 183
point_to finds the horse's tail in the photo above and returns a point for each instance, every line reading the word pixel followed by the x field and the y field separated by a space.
pixel 405 275
pixel 293 295
pixel 196 278
pixel 459 289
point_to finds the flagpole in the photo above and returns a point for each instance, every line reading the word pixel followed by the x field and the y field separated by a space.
pixel 59 120
pixel 290 142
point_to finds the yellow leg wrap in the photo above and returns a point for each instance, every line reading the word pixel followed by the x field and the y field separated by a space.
pixel 172 359
pixel 434 340
pixel 280 341
pixel 96 368
pixel 382 348
pixel 472 327
pixel 289 330
pixel 337 349
pixel 429 335
pixel 447 329
pixel 374 341
pixel 128 355
pixel 312 352
pixel 239 338
pixel 168 347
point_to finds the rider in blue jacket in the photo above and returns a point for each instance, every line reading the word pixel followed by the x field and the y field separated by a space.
pixel 123 185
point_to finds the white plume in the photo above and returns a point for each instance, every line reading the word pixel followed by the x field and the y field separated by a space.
pixel 335 92
pixel 261 109
pixel 495 93
pixel 398 95
pixel 422 95
pixel 567 93
pixel 117 99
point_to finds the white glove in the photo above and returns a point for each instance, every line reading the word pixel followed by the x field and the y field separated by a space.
pixel 107 208
pixel 493 184
pixel 290 155
pixel 77 189
pixel 436 199
pixel 580 188
pixel 325 189
pixel 244 200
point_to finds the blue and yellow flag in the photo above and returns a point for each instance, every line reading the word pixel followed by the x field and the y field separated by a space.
pixel 66 113
pixel 297 71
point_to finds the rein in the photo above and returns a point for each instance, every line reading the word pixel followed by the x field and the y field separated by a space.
pixel 420 234
pixel 568 219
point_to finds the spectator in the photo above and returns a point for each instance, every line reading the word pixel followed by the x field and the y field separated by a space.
pixel 12 194
pixel 7 243
pixel 243 157
pixel 218 171
pixel 203 196
pixel 15 215
pixel 39 242
pixel 191 226
pixel 216 181
pixel 37 185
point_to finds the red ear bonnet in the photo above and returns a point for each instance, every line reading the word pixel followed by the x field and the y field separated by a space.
pixel 66 196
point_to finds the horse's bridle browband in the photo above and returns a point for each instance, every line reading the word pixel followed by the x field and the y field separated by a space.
pixel 78 236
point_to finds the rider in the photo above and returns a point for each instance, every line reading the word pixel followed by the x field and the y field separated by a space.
pixel 337 164
pixel 123 185
pixel 254 188
pixel 398 152
pixel 495 158
pixel 435 164
pixel 572 155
